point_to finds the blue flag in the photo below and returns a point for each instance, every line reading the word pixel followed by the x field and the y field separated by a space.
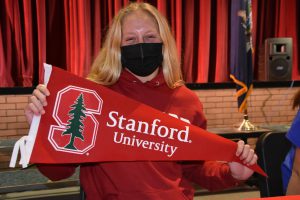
pixel 294 137
pixel 241 50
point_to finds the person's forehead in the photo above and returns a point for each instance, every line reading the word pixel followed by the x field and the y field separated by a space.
pixel 139 16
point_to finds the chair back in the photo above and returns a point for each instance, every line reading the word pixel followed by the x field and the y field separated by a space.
pixel 271 149
pixel 82 194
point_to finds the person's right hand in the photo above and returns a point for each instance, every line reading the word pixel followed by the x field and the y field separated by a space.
pixel 37 102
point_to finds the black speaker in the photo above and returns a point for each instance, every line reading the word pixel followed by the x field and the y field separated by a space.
pixel 278 59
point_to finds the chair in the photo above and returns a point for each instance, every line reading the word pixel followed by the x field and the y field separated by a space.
pixel 82 194
pixel 271 149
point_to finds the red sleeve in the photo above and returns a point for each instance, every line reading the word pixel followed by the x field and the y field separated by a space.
pixel 211 175
pixel 57 172
pixel 199 118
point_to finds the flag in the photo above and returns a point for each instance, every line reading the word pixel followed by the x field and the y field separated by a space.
pixel 85 122
pixel 294 137
pixel 241 50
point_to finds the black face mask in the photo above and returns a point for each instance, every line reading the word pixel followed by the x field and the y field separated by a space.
pixel 142 59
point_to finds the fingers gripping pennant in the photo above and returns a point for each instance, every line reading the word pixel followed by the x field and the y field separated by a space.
pixel 85 122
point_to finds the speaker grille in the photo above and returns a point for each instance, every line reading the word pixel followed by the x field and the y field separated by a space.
pixel 279 68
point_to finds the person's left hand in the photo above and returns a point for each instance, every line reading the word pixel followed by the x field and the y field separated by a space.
pixel 248 156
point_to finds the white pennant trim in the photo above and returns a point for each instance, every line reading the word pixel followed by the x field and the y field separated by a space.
pixel 25 144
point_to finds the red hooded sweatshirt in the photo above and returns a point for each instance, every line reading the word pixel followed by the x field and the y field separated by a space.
pixel 150 180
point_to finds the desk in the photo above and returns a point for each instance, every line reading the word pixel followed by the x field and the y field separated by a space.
pixel 294 197
pixel 235 134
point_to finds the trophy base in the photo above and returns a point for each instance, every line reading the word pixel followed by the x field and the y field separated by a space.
pixel 246 125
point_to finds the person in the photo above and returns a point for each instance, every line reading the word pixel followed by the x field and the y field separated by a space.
pixel 139 60
pixel 291 164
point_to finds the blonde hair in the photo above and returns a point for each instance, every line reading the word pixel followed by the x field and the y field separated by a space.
pixel 107 67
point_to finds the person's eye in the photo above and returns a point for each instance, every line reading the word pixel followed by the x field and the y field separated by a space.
pixel 151 36
pixel 129 39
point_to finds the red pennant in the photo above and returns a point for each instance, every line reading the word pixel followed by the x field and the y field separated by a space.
pixel 87 122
